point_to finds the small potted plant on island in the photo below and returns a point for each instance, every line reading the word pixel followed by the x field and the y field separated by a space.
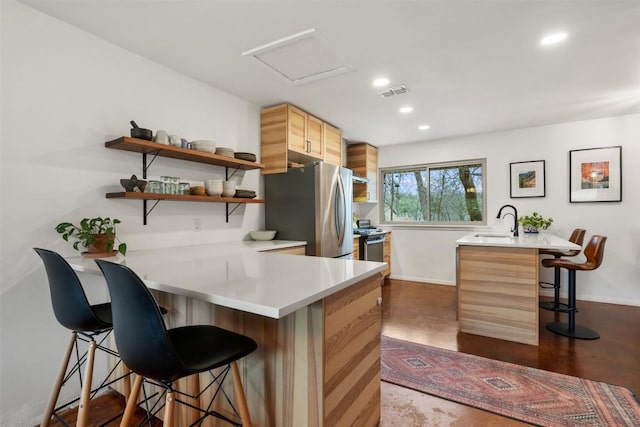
pixel 531 223
pixel 97 235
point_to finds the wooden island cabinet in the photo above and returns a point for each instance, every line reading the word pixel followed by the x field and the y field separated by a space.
pixel 317 322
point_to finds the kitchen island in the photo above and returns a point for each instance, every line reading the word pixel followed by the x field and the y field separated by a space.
pixel 497 278
pixel 317 323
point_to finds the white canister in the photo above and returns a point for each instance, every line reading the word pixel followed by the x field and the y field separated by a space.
pixel 162 137
pixel 175 140
pixel 228 189
pixel 213 187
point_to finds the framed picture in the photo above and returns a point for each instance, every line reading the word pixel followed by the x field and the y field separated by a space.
pixel 595 175
pixel 527 179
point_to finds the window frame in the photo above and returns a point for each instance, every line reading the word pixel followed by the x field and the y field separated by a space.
pixel 454 225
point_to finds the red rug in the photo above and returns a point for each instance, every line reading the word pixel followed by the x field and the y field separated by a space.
pixel 526 394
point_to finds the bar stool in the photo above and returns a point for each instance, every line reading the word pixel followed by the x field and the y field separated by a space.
pixel 594 252
pixel 86 322
pixel 577 237
pixel 165 355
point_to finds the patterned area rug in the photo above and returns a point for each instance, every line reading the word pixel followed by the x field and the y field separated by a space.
pixel 526 394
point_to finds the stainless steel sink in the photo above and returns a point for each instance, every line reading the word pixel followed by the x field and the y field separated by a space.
pixel 498 235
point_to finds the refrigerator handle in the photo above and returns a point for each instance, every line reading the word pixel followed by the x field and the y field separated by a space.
pixel 341 217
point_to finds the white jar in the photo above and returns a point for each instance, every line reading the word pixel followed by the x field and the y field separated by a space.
pixel 228 189
pixel 213 187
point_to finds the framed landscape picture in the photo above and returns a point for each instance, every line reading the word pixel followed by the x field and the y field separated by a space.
pixel 595 175
pixel 527 179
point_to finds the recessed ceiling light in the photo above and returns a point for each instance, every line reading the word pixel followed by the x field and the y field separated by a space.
pixel 553 38
pixel 406 110
pixel 380 82
pixel 423 127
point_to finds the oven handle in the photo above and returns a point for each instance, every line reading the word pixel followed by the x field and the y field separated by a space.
pixel 375 240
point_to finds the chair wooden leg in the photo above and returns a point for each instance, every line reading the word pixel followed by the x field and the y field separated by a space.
pixel 132 402
pixel 55 392
pixel 85 397
pixel 126 381
pixel 169 406
pixel 240 396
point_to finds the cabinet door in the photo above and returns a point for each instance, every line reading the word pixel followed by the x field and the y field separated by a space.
pixel 332 145
pixel 356 248
pixel 372 173
pixel 363 160
pixel 296 130
pixel 315 140
pixel 386 254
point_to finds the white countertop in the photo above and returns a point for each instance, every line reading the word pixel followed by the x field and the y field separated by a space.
pixel 238 275
pixel 533 240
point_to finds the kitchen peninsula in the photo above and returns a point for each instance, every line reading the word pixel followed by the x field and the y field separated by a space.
pixel 497 283
pixel 317 322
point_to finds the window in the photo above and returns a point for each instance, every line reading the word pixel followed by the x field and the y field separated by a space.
pixel 435 194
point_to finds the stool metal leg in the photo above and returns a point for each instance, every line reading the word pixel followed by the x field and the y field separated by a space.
pixel 570 329
pixel 555 305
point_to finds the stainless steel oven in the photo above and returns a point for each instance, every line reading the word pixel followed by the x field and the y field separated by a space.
pixel 372 246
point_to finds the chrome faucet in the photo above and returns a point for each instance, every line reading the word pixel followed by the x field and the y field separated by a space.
pixel 515 218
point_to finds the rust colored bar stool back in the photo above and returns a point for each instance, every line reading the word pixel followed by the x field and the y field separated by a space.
pixel 594 252
pixel 577 237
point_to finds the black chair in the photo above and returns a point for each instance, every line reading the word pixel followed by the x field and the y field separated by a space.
pixel 86 322
pixel 594 252
pixel 164 355
pixel 577 237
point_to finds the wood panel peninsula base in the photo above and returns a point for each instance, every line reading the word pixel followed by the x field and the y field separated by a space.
pixel 497 285
pixel 319 366
pixel 317 322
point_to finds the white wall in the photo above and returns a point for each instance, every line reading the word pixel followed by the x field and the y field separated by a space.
pixel 64 93
pixel 429 255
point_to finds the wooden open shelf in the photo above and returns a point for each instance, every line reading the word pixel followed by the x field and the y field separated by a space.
pixel 182 198
pixel 149 147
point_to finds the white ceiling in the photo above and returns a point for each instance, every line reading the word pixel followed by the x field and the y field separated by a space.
pixel 472 66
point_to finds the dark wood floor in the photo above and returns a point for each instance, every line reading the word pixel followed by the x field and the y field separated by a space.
pixel 425 313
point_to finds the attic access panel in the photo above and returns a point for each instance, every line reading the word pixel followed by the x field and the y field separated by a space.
pixel 300 58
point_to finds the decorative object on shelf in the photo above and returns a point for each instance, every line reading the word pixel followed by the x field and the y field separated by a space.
pixel 97 235
pixel 228 188
pixel 226 152
pixel 204 145
pixel 213 187
pixel 140 133
pixel 175 140
pixel 527 179
pixel 162 137
pixel 595 175
pixel 250 157
pixel 245 194
pixel 134 183
pixel 531 223
pixel 198 190
pixel 263 234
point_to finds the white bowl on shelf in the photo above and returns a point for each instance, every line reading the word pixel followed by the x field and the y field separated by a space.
pixel 205 145
pixel 263 234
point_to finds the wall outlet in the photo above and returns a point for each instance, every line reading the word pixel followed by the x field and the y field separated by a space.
pixel 197 224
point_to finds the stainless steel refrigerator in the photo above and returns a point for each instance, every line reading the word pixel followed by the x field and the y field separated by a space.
pixel 312 203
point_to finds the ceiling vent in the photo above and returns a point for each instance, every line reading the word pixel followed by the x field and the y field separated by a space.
pixel 300 58
pixel 393 91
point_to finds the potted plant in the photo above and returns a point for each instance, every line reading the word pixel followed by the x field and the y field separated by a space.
pixel 97 235
pixel 531 223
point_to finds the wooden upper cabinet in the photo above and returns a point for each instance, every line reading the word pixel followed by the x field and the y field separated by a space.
pixel 362 158
pixel 332 145
pixel 296 130
pixel 289 135
pixel 315 137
